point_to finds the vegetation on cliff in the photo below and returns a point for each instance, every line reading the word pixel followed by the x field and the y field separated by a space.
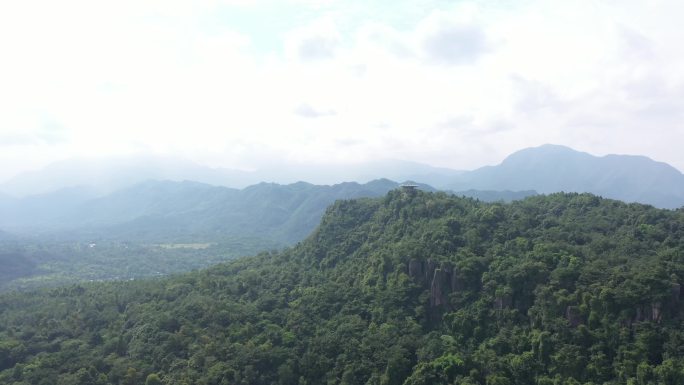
pixel 413 288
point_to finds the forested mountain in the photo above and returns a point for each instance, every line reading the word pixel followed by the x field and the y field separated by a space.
pixel 159 228
pixel 182 211
pixel 421 288
pixel 550 168
pixel 192 211
pixel 38 210
pixel 282 213
pixel 495 196
pixel 156 228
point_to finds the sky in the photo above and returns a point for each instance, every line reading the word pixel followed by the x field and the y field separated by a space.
pixel 248 83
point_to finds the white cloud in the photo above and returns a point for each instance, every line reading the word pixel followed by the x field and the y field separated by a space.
pixel 459 87
pixel 447 39
pixel 318 41
pixel 305 110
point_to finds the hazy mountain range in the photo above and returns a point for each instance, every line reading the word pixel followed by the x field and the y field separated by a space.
pixel 151 203
pixel 158 210
pixel 552 168
pixel 121 200
pixel 185 210
pixel 103 176
pixel 544 169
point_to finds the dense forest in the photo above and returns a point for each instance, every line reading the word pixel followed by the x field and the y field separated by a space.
pixel 411 288
pixel 33 263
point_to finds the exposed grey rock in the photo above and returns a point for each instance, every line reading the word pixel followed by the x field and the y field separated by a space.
pixel 652 312
pixel 503 302
pixel 676 291
pixel 656 312
pixel 640 315
pixel 415 270
pixel 430 270
pixel 439 289
pixel 456 284
pixel 572 314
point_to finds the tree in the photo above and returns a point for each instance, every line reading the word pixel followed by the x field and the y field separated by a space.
pixel 153 379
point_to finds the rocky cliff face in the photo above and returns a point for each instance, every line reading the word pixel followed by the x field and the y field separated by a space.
pixel 573 315
pixel 415 269
pixel 440 279
pixel 649 312
pixel 439 288
pixel 654 311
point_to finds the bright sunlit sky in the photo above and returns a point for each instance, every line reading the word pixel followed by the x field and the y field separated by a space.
pixel 243 83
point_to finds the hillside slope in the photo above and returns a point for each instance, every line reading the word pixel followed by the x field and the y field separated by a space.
pixel 550 168
pixel 423 289
pixel 190 211
pixel 161 210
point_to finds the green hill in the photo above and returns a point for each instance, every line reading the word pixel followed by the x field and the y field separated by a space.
pixel 410 289
pixel 133 228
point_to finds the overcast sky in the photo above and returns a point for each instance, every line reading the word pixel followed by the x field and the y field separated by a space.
pixel 242 83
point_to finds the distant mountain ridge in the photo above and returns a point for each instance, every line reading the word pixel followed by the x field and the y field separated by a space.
pixel 104 176
pixel 286 213
pixel 545 169
pixel 155 210
pixel 552 168
pixel 168 209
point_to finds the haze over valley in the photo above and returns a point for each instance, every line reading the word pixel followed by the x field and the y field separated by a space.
pixel 114 206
